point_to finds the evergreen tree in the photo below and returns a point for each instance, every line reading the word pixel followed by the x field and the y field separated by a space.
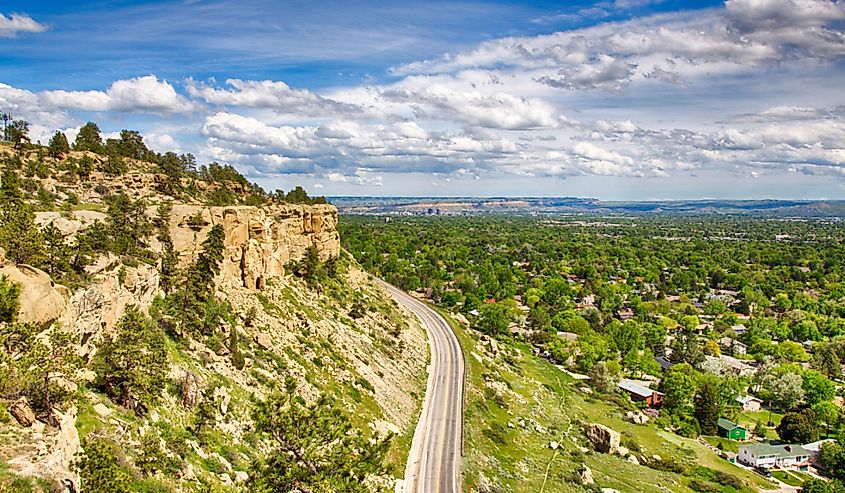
pixel 100 468
pixel 19 236
pixel 316 447
pixel 169 257
pixel 707 411
pixel 9 300
pixel 58 145
pixel 17 133
pixel 132 367
pixel 88 138
pixel 57 252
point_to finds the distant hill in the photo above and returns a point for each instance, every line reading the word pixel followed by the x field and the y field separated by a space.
pixel 576 205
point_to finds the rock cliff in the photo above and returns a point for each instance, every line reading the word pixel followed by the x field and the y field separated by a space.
pixel 259 241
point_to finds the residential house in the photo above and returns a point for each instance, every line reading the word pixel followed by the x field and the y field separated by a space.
pixel 784 456
pixel 731 346
pixel 749 403
pixel 664 363
pixel 730 365
pixel 814 448
pixel 625 313
pixel 730 430
pixel 640 393
pixel 739 329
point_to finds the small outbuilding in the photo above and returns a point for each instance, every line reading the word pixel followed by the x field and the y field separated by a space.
pixel 640 393
pixel 730 430
pixel 749 403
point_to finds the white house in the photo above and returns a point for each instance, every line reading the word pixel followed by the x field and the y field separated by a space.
pixel 784 456
pixel 732 346
pixel 749 403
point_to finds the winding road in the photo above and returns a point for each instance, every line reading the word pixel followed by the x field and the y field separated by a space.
pixel 434 462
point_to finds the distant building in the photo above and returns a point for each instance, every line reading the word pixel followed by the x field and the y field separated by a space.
pixel 728 365
pixel 749 403
pixel 785 456
pixel 625 313
pixel 730 430
pixel 664 363
pixel 641 393
pixel 731 346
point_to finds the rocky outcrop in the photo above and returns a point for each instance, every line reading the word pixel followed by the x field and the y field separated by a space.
pixel 41 300
pixel 604 439
pixel 96 308
pixel 259 241
pixel 22 412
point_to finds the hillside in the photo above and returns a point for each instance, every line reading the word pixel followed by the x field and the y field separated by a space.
pixel 158 312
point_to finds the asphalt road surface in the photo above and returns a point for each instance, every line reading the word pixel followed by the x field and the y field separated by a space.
pixel 434 462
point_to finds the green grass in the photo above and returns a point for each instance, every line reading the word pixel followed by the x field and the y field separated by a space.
pixel 518 458
pixel 11 482
pixel 787 478
pixel 727 445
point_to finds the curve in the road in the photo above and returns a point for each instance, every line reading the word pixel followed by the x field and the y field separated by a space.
pixel 434 462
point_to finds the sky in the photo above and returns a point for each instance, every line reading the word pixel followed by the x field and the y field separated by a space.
pixel 616 99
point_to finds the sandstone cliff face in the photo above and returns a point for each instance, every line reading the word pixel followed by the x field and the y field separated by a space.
pixel 259 241
pixel 41 301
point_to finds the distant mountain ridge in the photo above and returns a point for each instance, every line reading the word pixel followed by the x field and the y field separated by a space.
pixel 579 205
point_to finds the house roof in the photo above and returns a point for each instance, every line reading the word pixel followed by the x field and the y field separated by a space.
pixel 636 388
pixel 745 399
pixel 663 362
pixel 814 447
pixel 728 425
pixel 782 451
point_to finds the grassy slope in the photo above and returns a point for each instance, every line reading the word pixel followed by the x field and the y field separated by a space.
pixel 518 458
pixel 316 361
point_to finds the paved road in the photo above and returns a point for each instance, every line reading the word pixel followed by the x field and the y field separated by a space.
pixel 435 459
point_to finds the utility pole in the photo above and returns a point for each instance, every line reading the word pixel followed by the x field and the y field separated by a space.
pixel 7 117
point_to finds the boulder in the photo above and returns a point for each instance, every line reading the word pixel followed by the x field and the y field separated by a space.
pixel 623 451
pixel 263 341
pixel 102 410
pixel 636 417
pixel 554 445
pixel 609 490
pixel 22 412
pixel 41 300
pixel 586 475
pixel 604 439
pixel 633 460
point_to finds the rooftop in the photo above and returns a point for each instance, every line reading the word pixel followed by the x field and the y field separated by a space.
pixel 782 451
pixel 727 424
pixel 636 388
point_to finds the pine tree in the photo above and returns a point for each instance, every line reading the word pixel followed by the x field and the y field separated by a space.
pixel 17 132
pixel 132 367
pixel 58 145
pixel 707 410
pixel 88 138
pixel 20 238
pixel 316 447
pixel 169 257
pixel 100 469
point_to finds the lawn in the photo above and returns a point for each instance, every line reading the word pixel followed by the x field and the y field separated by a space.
pixel 788 478
pixel 507 436
pixel 727 445
pixel 748 420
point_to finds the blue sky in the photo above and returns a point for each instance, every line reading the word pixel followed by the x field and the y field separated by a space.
pixel 618 99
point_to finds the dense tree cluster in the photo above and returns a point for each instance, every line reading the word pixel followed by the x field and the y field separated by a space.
pixel 608 295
